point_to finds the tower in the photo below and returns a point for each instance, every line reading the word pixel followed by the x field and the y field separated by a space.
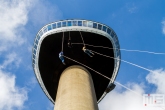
pixel 78 78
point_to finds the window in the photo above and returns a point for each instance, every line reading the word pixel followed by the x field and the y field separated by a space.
pixel 84 23
pixel 112 34
pixel 45 29
pixel 79 23
pixel 108 31
pixel 35 46
pixel 33 61
pixel 94 25
pixel 114 39
pixel 63 24
pixel 54 26
pixel 49 27
pixel 105 28
pixel 59 24
pixel 41 33
pixel 34 56
pixel 33 65
pixel 74 23
pixel 69 23
pixel 34 51
pixel 38 36
pixel 36 41
pixel 90 24
pixel 99 26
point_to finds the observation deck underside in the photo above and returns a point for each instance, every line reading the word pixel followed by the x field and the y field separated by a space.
pixel 51 67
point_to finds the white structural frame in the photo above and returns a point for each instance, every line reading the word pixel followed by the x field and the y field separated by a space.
pixel 86 26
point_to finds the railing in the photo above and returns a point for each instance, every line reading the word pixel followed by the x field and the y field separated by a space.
pixel 79 23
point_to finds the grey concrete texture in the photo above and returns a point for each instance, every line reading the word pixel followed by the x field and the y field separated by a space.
pixel 76 90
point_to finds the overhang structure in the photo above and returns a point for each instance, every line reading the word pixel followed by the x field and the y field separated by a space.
pixel 48 43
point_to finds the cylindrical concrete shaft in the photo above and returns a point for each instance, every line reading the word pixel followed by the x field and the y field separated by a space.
pixel 75 90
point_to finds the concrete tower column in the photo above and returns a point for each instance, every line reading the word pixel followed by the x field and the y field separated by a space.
pixel 75 90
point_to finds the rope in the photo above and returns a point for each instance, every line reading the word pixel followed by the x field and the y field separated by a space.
pixel 124 61
pixel 69 35
pixel 62 41
pixel 125 49
pixel 82 39
pixel 101 75
pixel 107 78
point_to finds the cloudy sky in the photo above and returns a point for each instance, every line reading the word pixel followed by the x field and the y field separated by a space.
pixel 140 25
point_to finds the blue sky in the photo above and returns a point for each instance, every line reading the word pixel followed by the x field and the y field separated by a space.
pixel 140 25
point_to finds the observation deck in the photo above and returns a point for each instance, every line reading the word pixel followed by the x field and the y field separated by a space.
pixel 97 37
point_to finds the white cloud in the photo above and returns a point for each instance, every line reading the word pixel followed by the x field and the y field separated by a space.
pixel 13 17
pixel 44 13
pixel 11 96
pixel 127 100
pixel 163 27
pixel 157 77
pixel 132 8
pixel 11 60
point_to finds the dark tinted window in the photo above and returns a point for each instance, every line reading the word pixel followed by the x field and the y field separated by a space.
pixel 38 37
pixel 105 28
pixel 69 23
pixel 54 26
pixel 94 25
pixel 59 24
pixel 49 27
pixel 33 61
pixel 63 24
pixel 108 31
pixel 33 56
pixel 36 41
pixel 79 23
pixel 35 46
pixel 74 23
pixel 34 51
pixel 99 26
pixel 112 34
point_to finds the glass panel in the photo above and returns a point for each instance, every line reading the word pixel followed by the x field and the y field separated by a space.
pixel 108 31
pixel 79 23
pixel 114 38
pixel 84 23
pixel 59 24
pixel 34 56
pixel 33 61
pixel 112 34
pixel 35 46
pixel 63 24
pixel 41 33
pixel 105 28
pixel 38 37
pixel 33 65
pixel 45 29
pixel 94 25
pixel 90 24
pixel 69 23
pixel 99 26
pixel 54 26
pixel 49 27
pixel 74 23
pixel 34 51
pixel 36 41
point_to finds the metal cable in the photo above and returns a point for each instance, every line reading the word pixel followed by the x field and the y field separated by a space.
pixel 101 74
pixel 82 39
pixel 125 49
pixel 62 42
